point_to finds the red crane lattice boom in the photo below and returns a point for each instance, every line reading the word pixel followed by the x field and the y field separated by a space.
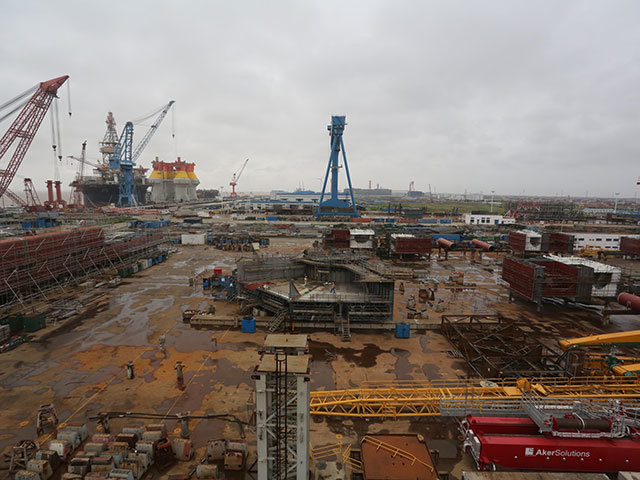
pixel 25 127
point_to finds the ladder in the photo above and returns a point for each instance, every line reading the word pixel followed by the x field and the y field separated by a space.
pixel 277 322
pixel 345 329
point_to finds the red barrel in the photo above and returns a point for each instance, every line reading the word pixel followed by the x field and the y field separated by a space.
pixel 483 245
pixel 447 244
pixel 629 300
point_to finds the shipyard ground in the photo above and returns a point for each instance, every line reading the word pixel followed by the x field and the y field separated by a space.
pixel 81 368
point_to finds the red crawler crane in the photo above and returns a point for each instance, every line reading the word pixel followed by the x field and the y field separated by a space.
pixel 25 127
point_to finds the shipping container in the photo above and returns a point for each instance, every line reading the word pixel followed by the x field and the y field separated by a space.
pixel 193 239
pixel 34 323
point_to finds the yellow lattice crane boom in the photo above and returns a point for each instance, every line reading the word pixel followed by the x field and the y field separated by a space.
pixel 420 399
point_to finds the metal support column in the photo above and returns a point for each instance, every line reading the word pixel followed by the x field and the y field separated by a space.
pixel 282 409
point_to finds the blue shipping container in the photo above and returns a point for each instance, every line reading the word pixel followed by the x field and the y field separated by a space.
pixel 248 325
pixel 402 330
pixel 445 220
pixel 272 219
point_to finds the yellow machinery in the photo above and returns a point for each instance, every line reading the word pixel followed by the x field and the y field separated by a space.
pixel 626 366
pixel 630 338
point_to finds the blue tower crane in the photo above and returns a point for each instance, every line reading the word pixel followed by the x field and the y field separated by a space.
pixel 335 205
pixel 121 160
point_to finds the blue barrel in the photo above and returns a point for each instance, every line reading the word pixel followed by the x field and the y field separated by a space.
pixel 248 325
pixel 402 330
pixel 150 262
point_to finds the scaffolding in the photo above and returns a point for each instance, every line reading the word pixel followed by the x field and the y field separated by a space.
pixel 33 266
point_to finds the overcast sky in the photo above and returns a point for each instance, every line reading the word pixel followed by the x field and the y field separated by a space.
pixel 541 97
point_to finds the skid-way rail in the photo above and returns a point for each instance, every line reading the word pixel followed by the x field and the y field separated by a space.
pixel 451 397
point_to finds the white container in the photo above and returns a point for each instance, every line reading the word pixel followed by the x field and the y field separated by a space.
pixel 193 238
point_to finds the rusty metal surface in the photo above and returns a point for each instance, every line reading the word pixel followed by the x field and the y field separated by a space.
pixel 382 464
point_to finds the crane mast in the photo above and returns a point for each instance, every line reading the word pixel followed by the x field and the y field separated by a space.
pixel 25 126
pixel 122 160
pixel 235 178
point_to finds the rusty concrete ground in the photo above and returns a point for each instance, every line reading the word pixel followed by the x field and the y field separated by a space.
pixel 81 370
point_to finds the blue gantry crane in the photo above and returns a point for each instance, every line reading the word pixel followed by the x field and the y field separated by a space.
pixel 122 160
pixel 335 205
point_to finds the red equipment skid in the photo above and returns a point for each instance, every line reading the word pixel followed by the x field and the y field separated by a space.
pixel 513 443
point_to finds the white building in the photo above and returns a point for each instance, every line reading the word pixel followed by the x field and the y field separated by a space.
pixel 605 277
pixel 601 241
pixel 487 219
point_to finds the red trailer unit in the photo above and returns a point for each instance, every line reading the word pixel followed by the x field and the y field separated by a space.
pixel 525 451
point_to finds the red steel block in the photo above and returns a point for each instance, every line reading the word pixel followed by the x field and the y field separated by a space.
pixel 630 246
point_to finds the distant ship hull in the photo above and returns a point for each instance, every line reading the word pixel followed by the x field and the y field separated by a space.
pixel 100 195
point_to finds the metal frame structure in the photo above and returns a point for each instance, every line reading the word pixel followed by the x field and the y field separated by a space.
pixel 335 206
pixel 438 397
pixel 282 409
pixel 494 347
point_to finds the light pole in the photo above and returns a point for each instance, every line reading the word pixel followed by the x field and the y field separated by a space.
pixel 492 192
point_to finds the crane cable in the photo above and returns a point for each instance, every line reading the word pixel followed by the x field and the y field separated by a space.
pixel 173 130
pixel 18 97
pixel 146 117
pixel 69 96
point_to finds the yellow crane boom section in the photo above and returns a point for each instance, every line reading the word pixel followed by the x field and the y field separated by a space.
pixel 416 399
pixel 630 337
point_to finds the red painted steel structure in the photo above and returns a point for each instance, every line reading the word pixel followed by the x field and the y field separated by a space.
pixel 411 245
pixel 517 241
pixel 558 243
pixel 537 278
pixel 30 265
pixel 512 443
pixel 338 238
pixel 630 246
pixel 25 127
